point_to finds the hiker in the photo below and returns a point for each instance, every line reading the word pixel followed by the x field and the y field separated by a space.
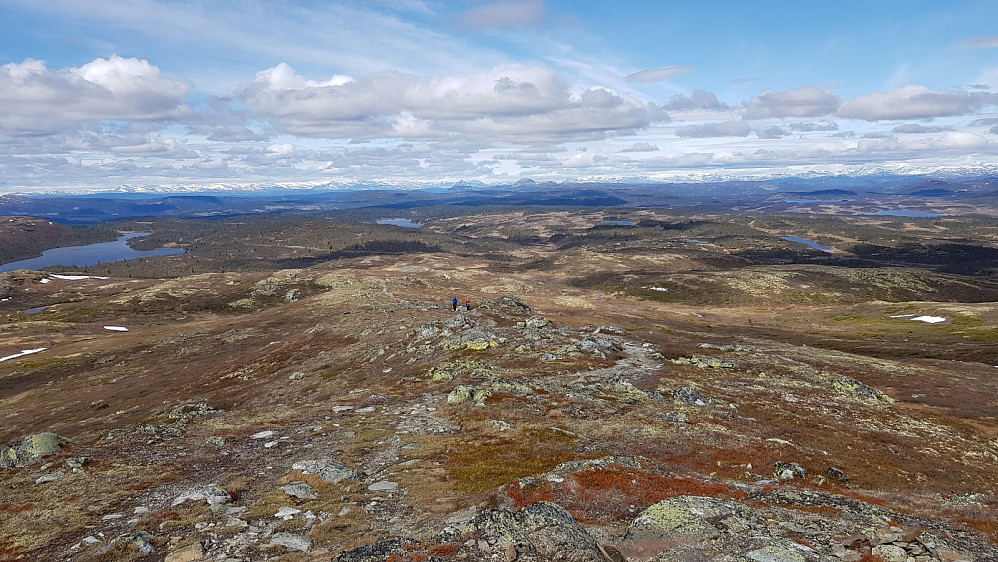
pixel 467 305
pixel 454 303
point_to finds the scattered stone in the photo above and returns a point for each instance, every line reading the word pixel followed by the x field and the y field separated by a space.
pixel 209 492
pixel 328 470
pixel 383 486
pixel 138 540
pixel 339 409
pixel 263 435
pixel 215 441
pixel 31 449
pixel 676 417
pixel 300 490
pixel 788 470
pixel 52 476
pixel 296 376
pixel 376 552
pixel 730 347
pixel 366 410
pixel 189 553
pixel 556 478
pixel 689 395
pixel 502 425
pixel 292 541
pixel 705 362
pixel 536 322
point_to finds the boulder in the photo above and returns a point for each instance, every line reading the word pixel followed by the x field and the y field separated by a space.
pixel 292 541
pixel 684 518
pixel 209 492
pixel 781 552
pixel 300 490
pixel 378 552
pixel 541 531
pixel 189 553
pixel 31 449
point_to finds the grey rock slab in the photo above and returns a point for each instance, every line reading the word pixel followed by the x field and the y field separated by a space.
pixel 328 470
pixel 292 541
pixel 299 489
pixel 50 477
pixel 776 553
pixel 383 486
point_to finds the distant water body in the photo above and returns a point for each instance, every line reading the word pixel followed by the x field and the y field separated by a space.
pixel 902 213
pixel 404 223
pixel 807 242
pixel 91 254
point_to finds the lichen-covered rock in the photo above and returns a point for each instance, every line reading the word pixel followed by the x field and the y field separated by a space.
pixel 208 492
pixel 379 552
pixel 890 553
pixel 781 552
pixel 539 531
pixel 684 518
pixel 849 385
pixel 508 304
pixel 31 449
pixel 705 362
pixel 601 463
pixel 536 322
pixel 788 470
pixel 328 470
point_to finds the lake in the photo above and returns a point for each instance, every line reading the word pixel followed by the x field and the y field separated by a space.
pixel 91 254
pixel 807 242
pixel 902 213
pixel 404 223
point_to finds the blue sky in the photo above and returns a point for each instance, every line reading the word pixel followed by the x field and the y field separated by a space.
pixel 148 93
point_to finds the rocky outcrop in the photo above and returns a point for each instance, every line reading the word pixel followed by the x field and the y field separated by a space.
pixel 31 449
pixel 328 470
pixel 685 518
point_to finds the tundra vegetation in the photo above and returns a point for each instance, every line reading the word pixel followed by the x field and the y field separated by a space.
pixel 630 384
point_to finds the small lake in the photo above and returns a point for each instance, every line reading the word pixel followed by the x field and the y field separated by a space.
pixel 806 242
pixel 404 223
pixel 812 201
pixel 91 254
pixel 617 223
pixel 902 213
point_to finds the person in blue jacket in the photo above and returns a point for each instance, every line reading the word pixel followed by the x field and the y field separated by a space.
pixel 454 303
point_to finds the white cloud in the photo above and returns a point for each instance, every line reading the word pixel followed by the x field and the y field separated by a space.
pixel 508 101
pixel 915 128
pixel 698 100
pixel 983 42
pixel 806 101
pixel 660 74
pixel 37 100
pixel 641 147
pixel 915 102
pixel 504 13
pixel 807 127
pixel 721 129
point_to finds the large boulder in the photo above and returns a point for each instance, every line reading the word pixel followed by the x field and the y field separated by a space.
pixel 684 518
pixel 328 470
pixel 31 449
pixel 539 531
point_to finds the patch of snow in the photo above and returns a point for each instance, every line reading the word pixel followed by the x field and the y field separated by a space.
pixel 902 316
pixel 116 328
pixel 659 289
pixel 23 353
pixel 46 280
pixel 929 319
pixel 75 277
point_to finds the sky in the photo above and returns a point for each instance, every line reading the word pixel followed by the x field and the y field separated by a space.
pixel 186 94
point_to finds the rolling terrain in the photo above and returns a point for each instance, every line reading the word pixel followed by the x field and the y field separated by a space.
pixel 683 383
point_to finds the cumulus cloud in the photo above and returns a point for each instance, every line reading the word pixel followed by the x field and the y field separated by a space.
pixel 641 147
pixel 37 100
pixel 806 101
pixel 504 14
pixel 915 102
pixel 507 100
pixel 699 99
pixel 720 129
pixel 811 127
pixel 660 74
pixel 914 128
